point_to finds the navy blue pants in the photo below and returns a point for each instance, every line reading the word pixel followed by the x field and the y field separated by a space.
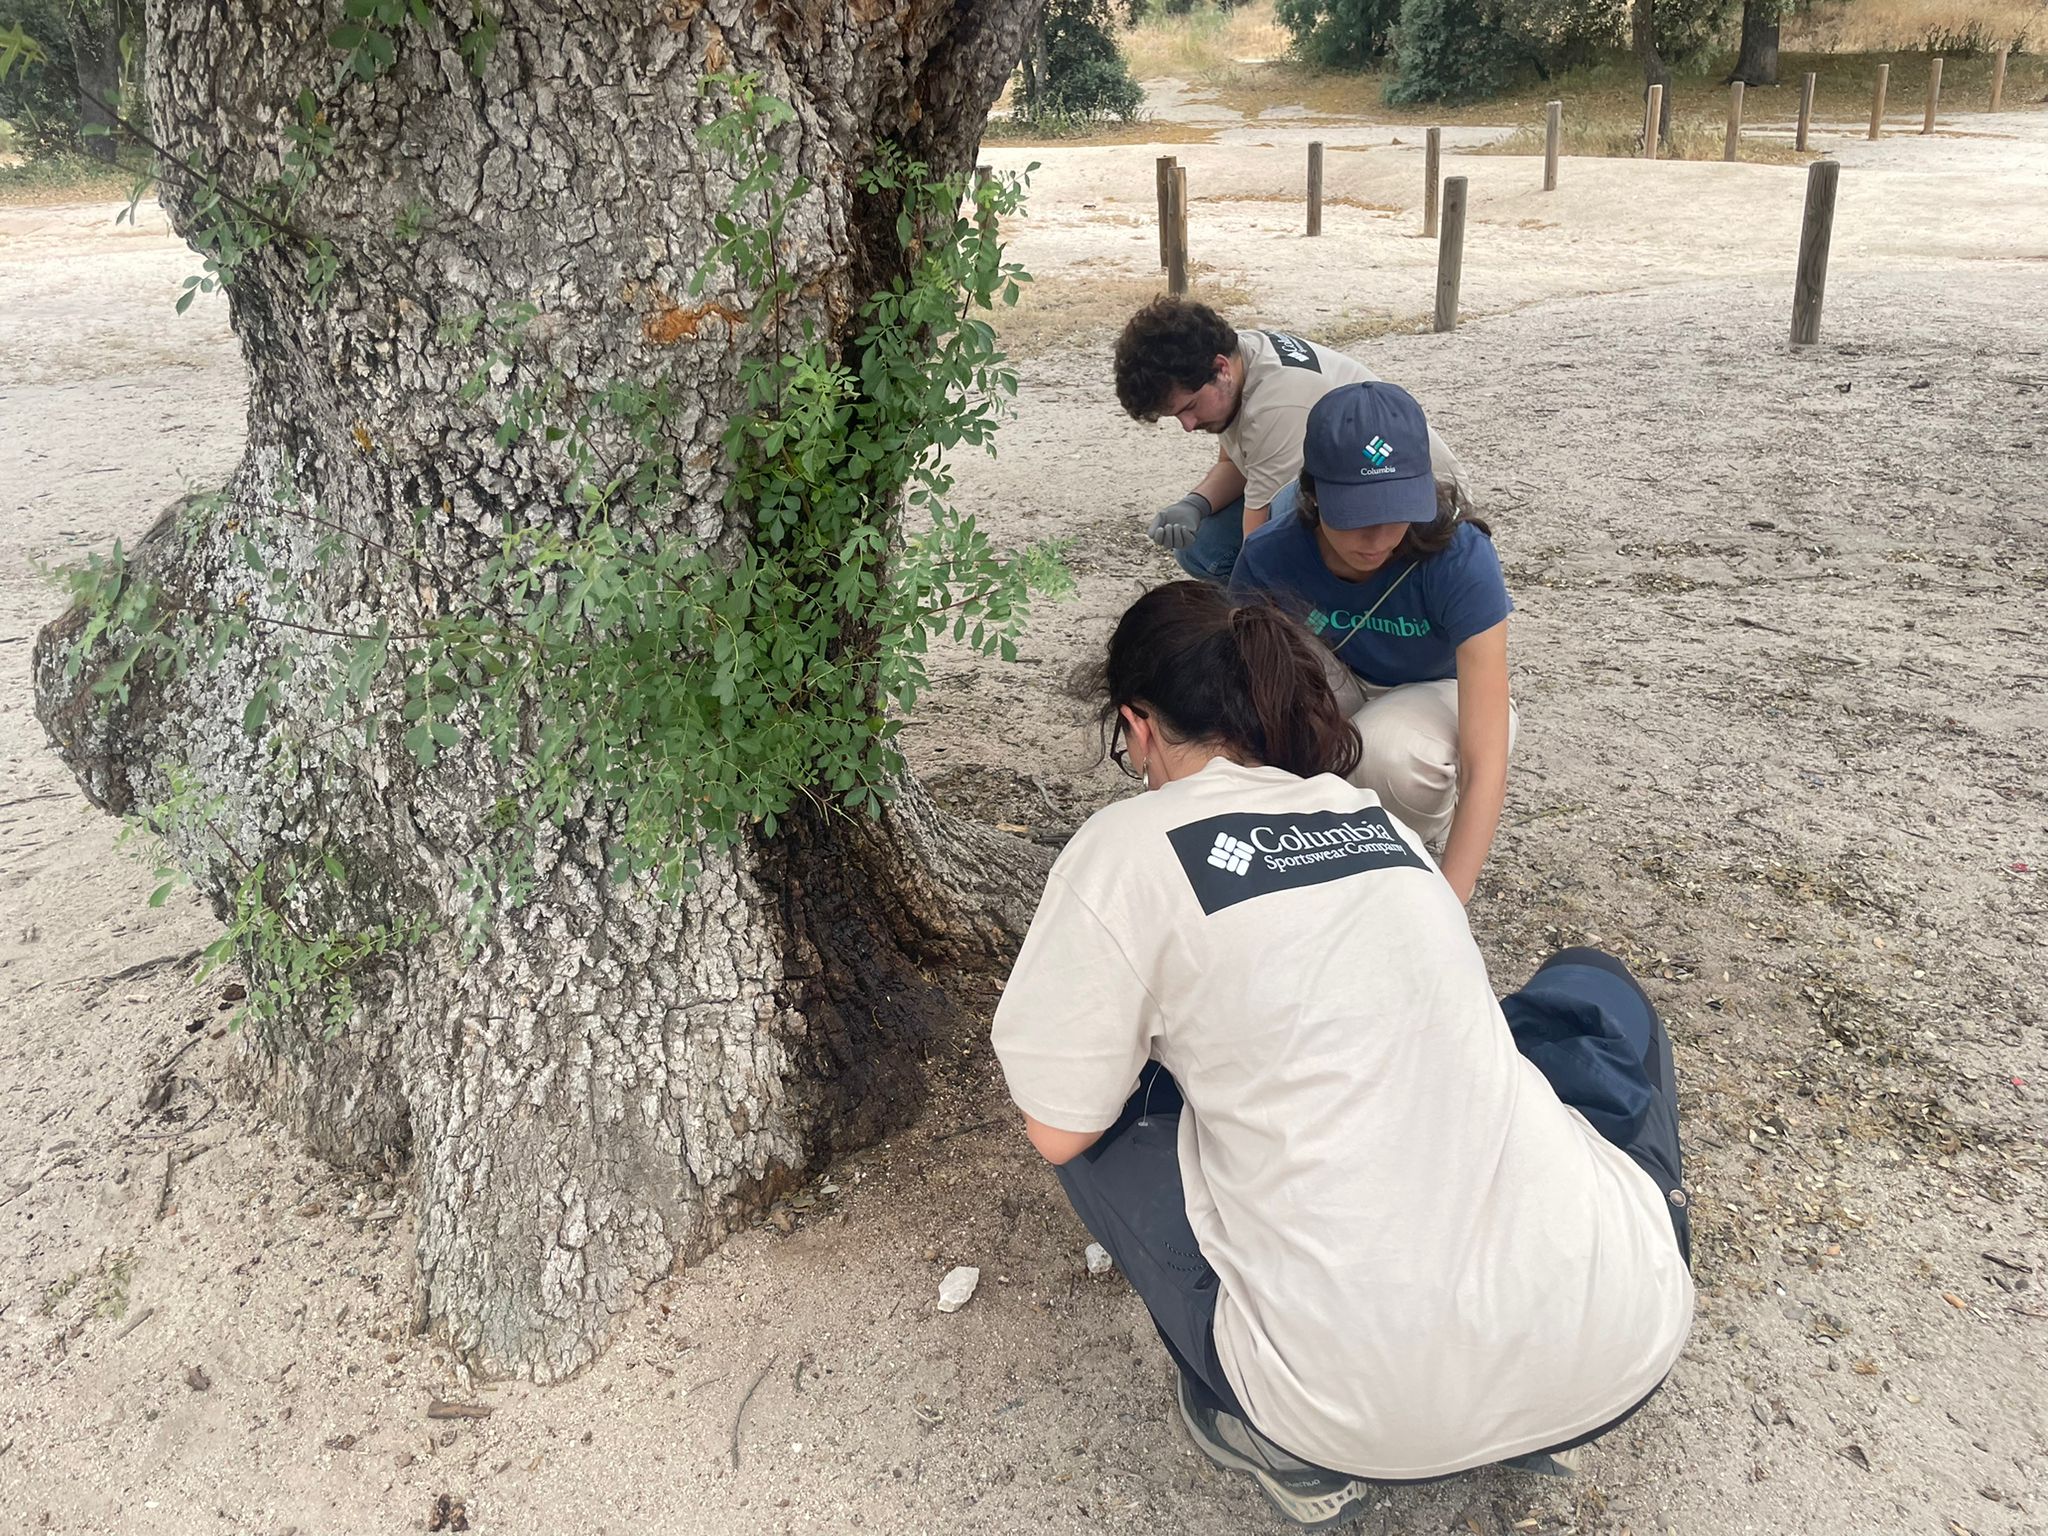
pixel 1582 1021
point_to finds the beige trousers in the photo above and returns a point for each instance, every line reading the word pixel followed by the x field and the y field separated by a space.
pixel 1409 737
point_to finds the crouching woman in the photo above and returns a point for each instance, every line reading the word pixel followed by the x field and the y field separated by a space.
pixel 1405 593
pixel 1388 1227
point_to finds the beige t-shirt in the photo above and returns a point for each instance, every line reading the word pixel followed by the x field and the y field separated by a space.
pixel 1284 376
pixel 1426 1261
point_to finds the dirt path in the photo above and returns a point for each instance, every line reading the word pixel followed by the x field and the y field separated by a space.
pixel 1780 667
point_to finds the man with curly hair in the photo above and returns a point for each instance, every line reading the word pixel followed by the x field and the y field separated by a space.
pixel 1251 389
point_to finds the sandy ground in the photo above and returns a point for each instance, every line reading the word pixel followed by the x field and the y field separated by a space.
pixel 1781 675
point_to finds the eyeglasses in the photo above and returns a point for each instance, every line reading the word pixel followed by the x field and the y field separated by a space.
pixel 1119 754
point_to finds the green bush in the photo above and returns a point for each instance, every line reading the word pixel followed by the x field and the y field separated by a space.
pixel 1452 50
pixel 1565 34
pixel 1340 34
pixel 1689 30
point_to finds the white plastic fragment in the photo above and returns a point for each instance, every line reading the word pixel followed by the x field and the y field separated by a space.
pixel 957 1289
pixel 1099 1261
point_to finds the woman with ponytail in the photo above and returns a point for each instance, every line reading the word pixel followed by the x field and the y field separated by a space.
pixel 1387 1227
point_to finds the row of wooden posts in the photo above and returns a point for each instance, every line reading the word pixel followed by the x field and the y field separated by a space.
pixel 1732 145
pixel 1443 198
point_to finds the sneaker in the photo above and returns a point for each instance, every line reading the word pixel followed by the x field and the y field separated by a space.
pixel 1547 1463
pixel 1312 1497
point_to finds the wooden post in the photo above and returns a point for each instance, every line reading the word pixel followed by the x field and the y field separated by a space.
pixel 1884 77
pixel 1450 255
pixel 1315 187
pixel 1181 205
pixel 1553 130
pixel 1163 171
pixel 1432 177
pixel 1653 120
pixel 1997 79
pixel 1177 227
pixel 1814 230
pixel 1805 107
pixel 1933 94
pixel 1733 147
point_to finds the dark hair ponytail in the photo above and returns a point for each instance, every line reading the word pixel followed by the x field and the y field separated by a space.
pixel 1240 675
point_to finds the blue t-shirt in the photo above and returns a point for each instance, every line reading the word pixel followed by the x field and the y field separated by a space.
pixel 1413 634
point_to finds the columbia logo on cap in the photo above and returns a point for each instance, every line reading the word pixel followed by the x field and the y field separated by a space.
pixel 1378 451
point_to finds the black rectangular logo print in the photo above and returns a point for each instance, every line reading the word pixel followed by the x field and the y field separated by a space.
pixel 1233 858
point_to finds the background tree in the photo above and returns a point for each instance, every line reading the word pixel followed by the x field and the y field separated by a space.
pixel 524 704
pixel 1075 69
pixel 1340 34
pixel 1643 39
pixel 1756 61
pixel 88 69
pixel 1664 33
pixel 1453 50
pixel 41 103
pixel 94 28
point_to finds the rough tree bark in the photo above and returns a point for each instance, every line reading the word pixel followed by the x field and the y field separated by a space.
pixel 1756 63
pixel 615 1082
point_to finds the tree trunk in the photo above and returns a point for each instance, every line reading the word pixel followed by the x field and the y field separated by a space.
pixel 95 27
pixel 614 1080
pixel 1655 71
pixel 1757 61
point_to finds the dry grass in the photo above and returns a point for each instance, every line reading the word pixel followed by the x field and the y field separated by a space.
pixel 1070 309
pixel 1198 44
pixel 1016 135
pixel 1611 92
pixel 1622 138
pixel 1350 329
pixel 1293 195
pixel 64 178
pixel 1885 26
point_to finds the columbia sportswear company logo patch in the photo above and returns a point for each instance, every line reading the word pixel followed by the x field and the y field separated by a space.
pixel 1378 451
pixel 1229 859
pixel 1230 854
pixel 1318 621
pixel 1293 352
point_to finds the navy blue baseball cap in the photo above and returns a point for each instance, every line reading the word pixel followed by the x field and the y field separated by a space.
pixel 1367 450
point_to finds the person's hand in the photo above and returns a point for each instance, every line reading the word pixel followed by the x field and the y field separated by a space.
pixel 1174 527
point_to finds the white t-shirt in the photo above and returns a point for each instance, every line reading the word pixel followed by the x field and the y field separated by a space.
pixel 1284 376
pixel 1426 1261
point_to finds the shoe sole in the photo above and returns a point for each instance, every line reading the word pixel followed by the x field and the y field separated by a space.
pixel 1320 1514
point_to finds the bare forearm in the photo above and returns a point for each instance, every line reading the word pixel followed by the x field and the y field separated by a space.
pixel 1485 731
pixel 1482 789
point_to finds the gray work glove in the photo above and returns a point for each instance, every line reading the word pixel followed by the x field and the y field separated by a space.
pixel 1174 527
